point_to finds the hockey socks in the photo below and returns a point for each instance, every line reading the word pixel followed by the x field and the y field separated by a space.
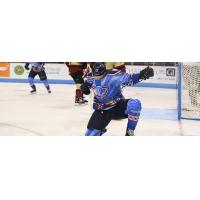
pixel 79 97
pixel 46 84
pixel 133 111
pixel 30 80
pixel 79 93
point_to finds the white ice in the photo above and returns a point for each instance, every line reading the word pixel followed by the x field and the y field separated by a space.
pixel 22 113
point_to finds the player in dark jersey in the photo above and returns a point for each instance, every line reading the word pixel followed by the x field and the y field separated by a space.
pixel 115 65
pixel 109 103
pixel 76 70
pixel 37 68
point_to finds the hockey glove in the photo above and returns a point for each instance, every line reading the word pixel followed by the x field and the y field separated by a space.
pixel 26 66
pixel 85 88
pixel 146 73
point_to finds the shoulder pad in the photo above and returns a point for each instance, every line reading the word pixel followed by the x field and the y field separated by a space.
pixel 112 72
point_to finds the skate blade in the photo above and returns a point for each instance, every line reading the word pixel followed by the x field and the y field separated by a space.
pixel 81 104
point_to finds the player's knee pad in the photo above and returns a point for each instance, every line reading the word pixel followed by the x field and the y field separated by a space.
pixel 133 109
pixel 93 132
pixel 30 80
pixel 42 75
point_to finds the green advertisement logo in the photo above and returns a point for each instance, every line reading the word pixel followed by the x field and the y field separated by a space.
pixel 19 70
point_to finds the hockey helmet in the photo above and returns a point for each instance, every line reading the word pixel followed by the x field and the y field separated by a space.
pixel 98 69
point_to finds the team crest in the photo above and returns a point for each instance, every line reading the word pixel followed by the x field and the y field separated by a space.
pixel 101 91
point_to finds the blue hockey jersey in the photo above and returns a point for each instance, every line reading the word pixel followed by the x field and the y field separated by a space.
pixel 108 90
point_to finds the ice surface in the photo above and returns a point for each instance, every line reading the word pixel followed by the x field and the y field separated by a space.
pixel 22 113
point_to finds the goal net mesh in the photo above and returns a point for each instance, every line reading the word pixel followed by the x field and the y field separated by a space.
pixel 190 90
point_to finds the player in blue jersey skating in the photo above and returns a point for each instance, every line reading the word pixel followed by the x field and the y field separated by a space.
pixel 109 103
pixel 37 68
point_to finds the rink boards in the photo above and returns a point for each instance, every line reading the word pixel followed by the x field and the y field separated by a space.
pixel 165 77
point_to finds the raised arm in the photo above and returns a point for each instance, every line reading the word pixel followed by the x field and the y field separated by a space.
pixel 146 73
pixel 132 79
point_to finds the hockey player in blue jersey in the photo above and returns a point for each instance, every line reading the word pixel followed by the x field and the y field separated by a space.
pixel 37 68
pixel 109 103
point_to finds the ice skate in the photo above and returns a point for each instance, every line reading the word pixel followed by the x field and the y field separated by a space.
pixel 33 91
pixel 130 132
pixel 80 101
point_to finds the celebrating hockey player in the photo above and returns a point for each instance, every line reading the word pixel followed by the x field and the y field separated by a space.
pixel 76 70
pixel 37 68
pixel 109 103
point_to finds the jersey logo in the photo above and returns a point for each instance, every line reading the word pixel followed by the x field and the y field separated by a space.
pixel 101 91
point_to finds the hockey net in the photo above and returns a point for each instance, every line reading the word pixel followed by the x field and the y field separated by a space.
pixel 189 90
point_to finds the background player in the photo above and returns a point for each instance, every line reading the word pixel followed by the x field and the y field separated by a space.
pixel 115 65
pixel 109 102
pixel 37 68
pixel 76 71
